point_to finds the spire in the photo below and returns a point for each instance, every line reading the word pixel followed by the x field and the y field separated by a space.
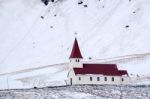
pixel 75 50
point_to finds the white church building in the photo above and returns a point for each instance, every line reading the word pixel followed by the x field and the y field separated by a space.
pixel 93 73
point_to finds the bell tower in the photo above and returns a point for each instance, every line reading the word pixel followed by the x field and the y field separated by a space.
pixel 76 57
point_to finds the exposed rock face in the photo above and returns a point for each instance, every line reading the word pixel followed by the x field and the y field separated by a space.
pixel 46 1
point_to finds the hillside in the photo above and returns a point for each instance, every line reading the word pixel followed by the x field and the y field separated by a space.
pixel 80 92
pixel 33 35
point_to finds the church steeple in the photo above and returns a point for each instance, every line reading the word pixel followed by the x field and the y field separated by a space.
pixel 76 50
pixel 76 57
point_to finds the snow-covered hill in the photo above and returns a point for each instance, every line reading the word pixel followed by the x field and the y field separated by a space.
pixel 104 29
pixel 110 31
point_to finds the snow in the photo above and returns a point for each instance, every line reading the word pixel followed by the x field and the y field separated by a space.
pixel 80 92
pixel 53 75
pixel 28 42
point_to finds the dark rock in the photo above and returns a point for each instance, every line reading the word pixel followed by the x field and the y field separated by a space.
pixel 42 17
pixel 35 87
pixel 81 2
pixel 52 0
pixel 85 6
pixel 127 26
pixel 45 2
pixel 90 58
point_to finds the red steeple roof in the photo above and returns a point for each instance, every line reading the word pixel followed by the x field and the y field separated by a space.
pixel 75 50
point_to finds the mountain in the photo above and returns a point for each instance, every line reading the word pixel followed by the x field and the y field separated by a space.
pixel 34 35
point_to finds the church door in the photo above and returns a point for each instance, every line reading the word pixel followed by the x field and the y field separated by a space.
pixel 71 81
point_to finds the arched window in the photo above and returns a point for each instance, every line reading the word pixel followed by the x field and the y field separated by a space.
pixel 79 78
pixel 98 79
pixel 112 78
pixel 91 79
pixel 122 79
pixel 76 60
pixel 105 78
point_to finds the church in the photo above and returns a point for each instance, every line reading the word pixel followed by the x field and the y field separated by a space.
pixel 93 73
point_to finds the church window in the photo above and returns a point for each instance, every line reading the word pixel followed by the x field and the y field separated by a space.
pixel 79 78
pixel 77 60
pixel 112 78
pixel 98 79
pixel 105 78
pixel 91 79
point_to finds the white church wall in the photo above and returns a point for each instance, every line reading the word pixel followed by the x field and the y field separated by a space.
pixel 125 79
pixel 72 76
pixel 85 79
pixel 76 63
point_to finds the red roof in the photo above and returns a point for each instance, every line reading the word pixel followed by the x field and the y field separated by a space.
pixel 75 50
pixel 123 72
pixel 104 69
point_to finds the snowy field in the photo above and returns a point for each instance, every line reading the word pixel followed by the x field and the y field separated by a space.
pixel 55 75
pixel 52 75
pixel 34 37
pixel 80 92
